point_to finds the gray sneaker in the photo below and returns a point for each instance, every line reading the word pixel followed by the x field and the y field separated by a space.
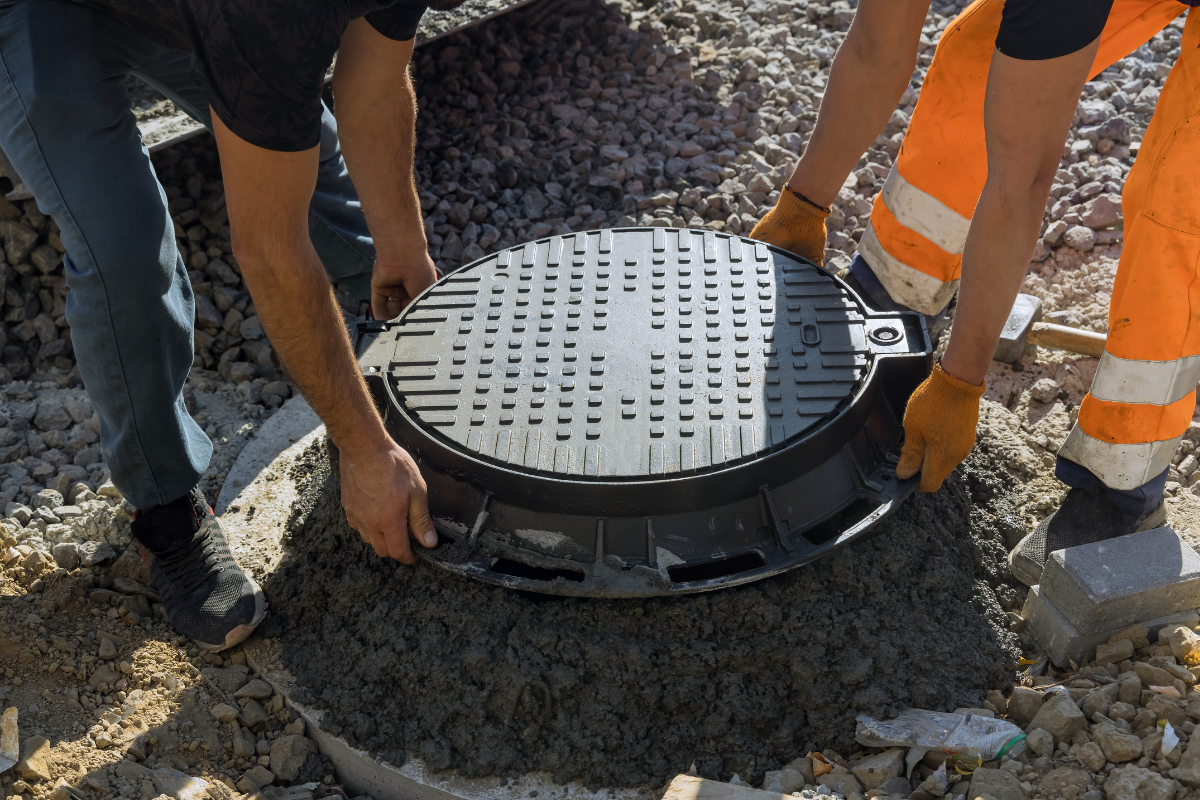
pixel 1083 518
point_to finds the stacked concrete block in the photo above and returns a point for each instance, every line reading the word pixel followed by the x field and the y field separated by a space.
pixel 1090 592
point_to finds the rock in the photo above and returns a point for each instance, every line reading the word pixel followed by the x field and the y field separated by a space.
pixel 1024 704
pixel 1099 700
pixel 784 781
pixel 105 675
pixel 872 771
pixel 223 712
pixel 229 679
pixel 257 689
pixel 1117 745
pixel 60 791
pixel 93 554
pixel 256 778
pixel 1092 756
pixel 243 742
pixel 1080 238
pixel 1044 390
pixel 1115 653
pixel 1172 709
pixel 896 787
pixel 288 754
pixel 108 649
pixel 176 784
pixel 33 763
pixel 841 782
pixel 804 766
pixel 1138 633
pixel 998 783
pixel 253 713
pixel 1131 690
pixel 1184 642
pixel 298 727
pixel 1102 211
pixel 1059 717
pixel 1059 779
pixel 132 771
pixel 66 554
pixel 1152 675
pixel 1188 771
pixel 1135 783
pixel 47 498
pixel 52 416
pixel 1040 742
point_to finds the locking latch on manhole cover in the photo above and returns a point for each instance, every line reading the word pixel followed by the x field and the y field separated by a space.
pixel 646 411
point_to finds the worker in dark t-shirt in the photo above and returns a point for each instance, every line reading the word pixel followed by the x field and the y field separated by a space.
pixel 252 71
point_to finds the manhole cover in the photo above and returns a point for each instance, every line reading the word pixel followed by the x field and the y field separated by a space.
pixel 646 411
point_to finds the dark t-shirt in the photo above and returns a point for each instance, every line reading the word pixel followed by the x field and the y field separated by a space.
pixel 262 63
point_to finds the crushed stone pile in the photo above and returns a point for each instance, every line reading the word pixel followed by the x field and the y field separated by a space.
pixel 489 681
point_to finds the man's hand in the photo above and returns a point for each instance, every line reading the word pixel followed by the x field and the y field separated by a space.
pixel 394 284
pixel 384 496
pixel 939 428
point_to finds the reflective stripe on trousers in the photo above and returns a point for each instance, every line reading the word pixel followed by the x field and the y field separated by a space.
pixel 914 240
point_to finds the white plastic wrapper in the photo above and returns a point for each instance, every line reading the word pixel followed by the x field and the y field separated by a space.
pixel 916 727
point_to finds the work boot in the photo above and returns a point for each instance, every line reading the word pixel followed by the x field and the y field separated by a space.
pixel 205 593
pixel 1083 518
pixel 861 278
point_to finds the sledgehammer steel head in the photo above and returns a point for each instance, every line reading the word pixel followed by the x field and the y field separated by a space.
pixel 1025 311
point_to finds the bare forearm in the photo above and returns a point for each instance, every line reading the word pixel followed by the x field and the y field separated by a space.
pixel 377 114
pixel 300 317
pixel 868 77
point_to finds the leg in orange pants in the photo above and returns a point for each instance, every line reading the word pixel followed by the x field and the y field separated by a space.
pixel 913 243
pixel 1143 395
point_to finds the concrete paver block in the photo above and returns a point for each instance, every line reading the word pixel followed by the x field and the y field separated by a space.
pixel 1117 582
pixel 1063 643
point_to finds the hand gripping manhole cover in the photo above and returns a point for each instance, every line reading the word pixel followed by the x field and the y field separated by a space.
pixel 646 411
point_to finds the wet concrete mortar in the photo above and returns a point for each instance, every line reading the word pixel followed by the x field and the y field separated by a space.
pixel 489 681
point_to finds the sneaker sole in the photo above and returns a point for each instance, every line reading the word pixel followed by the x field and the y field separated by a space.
pixel 1029 571
pixel 241 632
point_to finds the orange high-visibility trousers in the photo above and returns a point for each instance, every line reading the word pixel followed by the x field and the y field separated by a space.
pixel 919 222
pixel 1144 393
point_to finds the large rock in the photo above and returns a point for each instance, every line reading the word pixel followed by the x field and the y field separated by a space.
pixel 1056 781
pixel 1184 642
pixel 1188 771
pixel 1114 653
pixel 176 784
pixel 1024 704
pixel 783 781
pixel 33 763
pixel 1152 675
pixel 288 754
pixel 1059 717
pixel 874 770
pixel 841 782
pixel 1100 700
pixel 1117 745
pixel 1172 709
pixel 999 783
pixel 1102 211
pixel 1134 783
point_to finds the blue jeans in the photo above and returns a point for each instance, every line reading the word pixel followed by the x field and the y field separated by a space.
pixel 66 125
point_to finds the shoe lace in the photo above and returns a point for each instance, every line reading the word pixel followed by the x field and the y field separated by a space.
pixel 191 564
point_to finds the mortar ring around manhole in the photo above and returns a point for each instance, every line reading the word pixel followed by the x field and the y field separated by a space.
pixel 646 411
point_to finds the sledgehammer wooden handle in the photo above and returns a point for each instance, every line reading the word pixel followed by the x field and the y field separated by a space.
pixel 1061 337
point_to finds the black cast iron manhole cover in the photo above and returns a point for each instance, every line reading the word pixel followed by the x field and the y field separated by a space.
pixel 646 411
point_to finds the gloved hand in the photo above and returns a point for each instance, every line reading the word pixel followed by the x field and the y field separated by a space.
pixel 795 225
pixel 939 428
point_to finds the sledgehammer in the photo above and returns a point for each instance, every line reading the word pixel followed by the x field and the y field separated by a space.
pixel 1023 327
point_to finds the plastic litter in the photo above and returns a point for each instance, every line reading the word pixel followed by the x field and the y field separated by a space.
pixel 1170 738
pixel 1169 691
pixel 991 739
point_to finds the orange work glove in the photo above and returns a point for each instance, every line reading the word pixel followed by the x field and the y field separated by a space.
pixel 796 225
pixel 939 428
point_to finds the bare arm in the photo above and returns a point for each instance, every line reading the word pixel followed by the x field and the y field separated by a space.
pixel 1026 120
pixel 869 74
pixel 268 193
pixel 377 113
